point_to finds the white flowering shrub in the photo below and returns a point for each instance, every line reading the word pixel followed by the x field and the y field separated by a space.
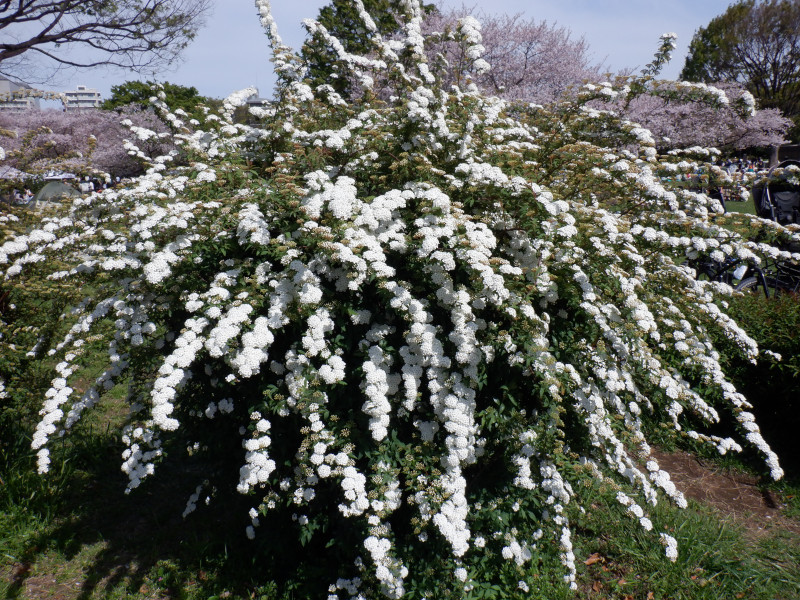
pixel 418 328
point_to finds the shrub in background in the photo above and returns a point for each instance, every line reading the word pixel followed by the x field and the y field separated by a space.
pixel 420 328
pixel 772 386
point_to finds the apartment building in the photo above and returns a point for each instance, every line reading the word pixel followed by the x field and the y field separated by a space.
pixel 82 98
pixel 9 102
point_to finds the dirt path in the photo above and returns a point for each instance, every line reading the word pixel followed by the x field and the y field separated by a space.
pixel 736 495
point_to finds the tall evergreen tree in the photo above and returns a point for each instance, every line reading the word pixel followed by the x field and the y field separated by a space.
pixel 138 94
pixel 342 20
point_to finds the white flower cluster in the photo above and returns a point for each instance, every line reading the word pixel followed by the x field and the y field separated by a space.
pixel 469 29
pixel 389 571
pixel 258 465
pixel 714 93
pixel 378 384
pixel 519 553
pixel 749 102
pixel 670 546
pixel 57 395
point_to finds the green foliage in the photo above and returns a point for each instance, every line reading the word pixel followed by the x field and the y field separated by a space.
pixel 175 96
pixel 342 20
pixel 772 385
pixel 710 51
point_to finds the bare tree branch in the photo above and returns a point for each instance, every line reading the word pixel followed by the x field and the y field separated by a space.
pixel 133 34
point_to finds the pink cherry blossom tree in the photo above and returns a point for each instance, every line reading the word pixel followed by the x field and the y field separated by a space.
pixel 530 60
pixel 676 124
pixel 538 62
pixel 83 142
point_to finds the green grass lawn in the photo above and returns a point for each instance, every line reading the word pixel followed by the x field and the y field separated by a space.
pixel 74 535
pixel 741 207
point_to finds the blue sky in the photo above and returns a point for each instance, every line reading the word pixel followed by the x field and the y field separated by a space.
pixel 231 53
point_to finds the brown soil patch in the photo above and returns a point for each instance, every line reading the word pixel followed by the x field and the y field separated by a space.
pixel 736 495
pixel 41 587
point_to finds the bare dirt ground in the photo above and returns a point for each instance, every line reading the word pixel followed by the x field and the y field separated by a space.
pixel 735 495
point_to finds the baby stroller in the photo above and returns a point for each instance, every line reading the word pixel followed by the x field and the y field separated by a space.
pixel 778 197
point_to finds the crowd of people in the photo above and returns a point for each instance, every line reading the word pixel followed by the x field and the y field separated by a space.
pixel 87 185
pixel 18 197
pixel 95 184
pixel 744 165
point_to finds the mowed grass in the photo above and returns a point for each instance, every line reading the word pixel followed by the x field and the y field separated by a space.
pixel 747 207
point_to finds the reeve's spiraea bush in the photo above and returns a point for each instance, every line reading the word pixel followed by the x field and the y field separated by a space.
pixel 426 324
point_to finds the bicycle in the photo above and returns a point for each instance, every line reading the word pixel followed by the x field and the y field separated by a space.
pixel 731 271
pixel 781 277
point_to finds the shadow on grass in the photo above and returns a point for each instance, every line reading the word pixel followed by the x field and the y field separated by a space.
pixel 83 528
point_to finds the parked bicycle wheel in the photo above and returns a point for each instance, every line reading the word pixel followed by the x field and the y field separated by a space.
pixel 752 285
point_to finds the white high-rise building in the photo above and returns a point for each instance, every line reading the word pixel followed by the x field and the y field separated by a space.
pixel 82 98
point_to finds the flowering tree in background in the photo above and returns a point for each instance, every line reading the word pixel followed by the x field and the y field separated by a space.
pixel 84 142
pixel 418 333
pixel 536 62
pixel 757 44
pixel 530 61
pixel 684 124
